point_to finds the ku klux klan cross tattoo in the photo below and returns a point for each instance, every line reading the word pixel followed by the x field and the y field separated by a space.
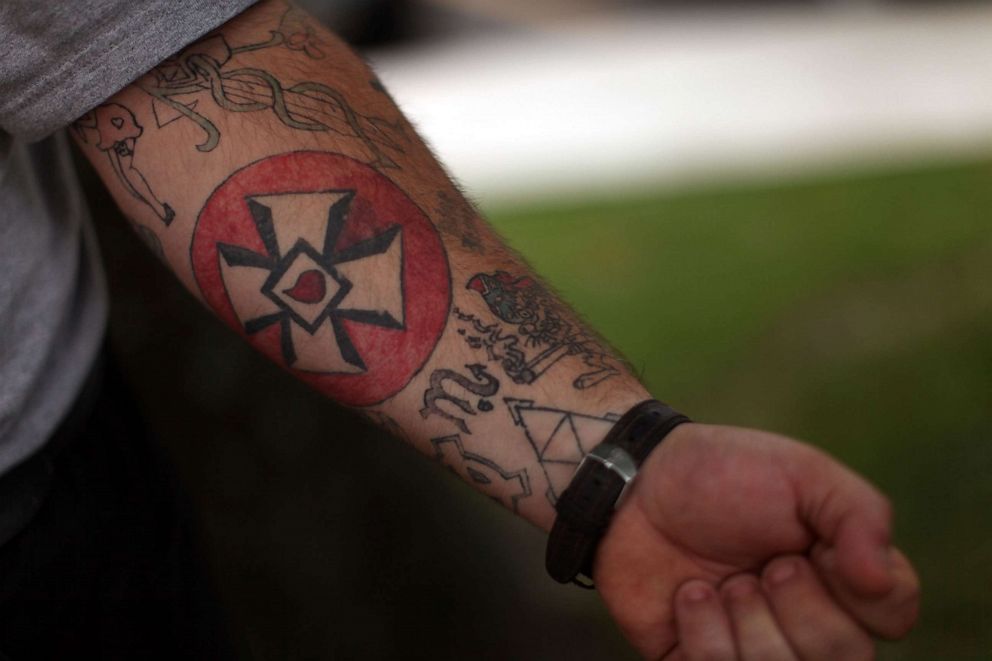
pixel 310 290
pixel 327 266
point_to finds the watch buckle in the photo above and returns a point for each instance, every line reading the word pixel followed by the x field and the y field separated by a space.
pixel 617 460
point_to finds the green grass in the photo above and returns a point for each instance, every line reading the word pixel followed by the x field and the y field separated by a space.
pixel 854 312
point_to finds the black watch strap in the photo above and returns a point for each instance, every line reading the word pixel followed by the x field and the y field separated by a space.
pixel 586 506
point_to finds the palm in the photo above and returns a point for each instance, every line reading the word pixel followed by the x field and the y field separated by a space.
pixel 710 502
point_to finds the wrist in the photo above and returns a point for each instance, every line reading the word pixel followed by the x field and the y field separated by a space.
pixel 586 507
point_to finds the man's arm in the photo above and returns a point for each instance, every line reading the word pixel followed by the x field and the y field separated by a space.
pixel 288 193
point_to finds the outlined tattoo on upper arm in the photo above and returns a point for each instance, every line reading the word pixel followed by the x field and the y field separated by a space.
pixel 329 268
pixel 544 333
pixel 559 438
pixel 182 85
pixel 295 32
pixel 116 134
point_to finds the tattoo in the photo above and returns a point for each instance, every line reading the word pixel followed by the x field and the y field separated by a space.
pixel 559 438
pixel 457 219
pixel 295 32
pixel 500 347
pixel 544 328
pixel 485 385
pixel 204 71
pixel 503 486
pixel 327 267
pixel 117 132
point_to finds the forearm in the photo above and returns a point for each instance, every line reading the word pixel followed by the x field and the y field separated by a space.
pixel 286 190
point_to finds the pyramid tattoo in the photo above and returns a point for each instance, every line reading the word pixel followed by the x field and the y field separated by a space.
pixel 559 438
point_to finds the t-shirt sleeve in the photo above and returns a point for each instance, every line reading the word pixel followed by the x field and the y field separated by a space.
pixel 59 58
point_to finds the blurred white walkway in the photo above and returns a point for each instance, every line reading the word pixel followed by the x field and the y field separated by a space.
pixel 662 98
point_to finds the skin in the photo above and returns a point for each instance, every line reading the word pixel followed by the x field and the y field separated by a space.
pixel 488 354
pixel 720 509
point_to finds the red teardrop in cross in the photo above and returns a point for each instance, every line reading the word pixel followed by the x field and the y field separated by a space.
pixel 309 288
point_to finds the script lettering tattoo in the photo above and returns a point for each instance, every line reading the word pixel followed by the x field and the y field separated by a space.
pixel 503 486
pixel 116 134
pixel 559 438
pixel 328 267
pixel 544 329
pixel 485 385
pixel 457 219
pixel 182 84
pixel 499 346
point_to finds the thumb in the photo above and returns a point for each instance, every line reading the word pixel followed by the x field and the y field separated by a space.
pixel 846 513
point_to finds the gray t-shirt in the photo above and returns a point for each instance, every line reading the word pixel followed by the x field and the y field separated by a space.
pixel 58 59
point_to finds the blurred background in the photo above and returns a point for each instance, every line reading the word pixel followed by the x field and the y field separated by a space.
pixel 780 212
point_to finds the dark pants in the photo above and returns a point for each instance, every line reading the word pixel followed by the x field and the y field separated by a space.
pixel 107 568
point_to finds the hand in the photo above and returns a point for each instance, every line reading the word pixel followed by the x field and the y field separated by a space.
pixel 714 502
pixel 786 615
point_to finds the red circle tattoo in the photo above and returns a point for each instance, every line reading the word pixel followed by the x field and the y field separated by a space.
pixel 327 267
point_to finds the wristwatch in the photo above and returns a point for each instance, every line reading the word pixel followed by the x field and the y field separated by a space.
pixel 598 486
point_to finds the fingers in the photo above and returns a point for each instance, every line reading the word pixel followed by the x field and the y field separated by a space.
pixel 872 580
pixel 789 614
pixel 817 627
pixel 850 516
pixel 733 624
pixel 758 635
pixel 703 626
pixel 891 615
